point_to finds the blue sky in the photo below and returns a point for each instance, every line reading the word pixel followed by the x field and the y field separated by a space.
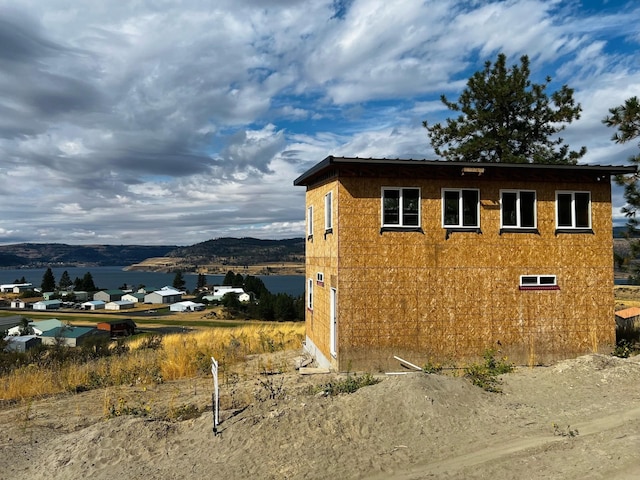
pixel 174 122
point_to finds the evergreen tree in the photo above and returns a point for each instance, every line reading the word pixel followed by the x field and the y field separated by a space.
pixel 503 117
pixel 48 281
pixel 87 283
pixel 238 280
pixel 25 327
pixel 65 281
pixel 178 281
pixel 284 309
pixel 255 285
pixel 626 118
pixel 202 281
pixel 231 302
pixel 229 278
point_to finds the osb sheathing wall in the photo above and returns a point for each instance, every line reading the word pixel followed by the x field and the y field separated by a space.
pixel 321 256
pixel 423 297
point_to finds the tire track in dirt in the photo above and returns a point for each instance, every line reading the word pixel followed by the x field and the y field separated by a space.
pixel 453 466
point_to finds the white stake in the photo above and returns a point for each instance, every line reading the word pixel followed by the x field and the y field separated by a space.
pixel 216 398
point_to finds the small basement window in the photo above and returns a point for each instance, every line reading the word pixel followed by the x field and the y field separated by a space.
pixel 538 282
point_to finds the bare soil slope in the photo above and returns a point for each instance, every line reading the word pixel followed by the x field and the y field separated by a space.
pixel 406 427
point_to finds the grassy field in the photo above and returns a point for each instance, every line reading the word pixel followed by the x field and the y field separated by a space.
pixel 147 359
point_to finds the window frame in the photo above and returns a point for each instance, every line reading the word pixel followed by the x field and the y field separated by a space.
pixel 310 221
pixel 518 226
pixel 310 294
pixel 460 225
pixel 320 279
pixel 574 211
pixel 328 212
pixel 540 282
pixel 401 210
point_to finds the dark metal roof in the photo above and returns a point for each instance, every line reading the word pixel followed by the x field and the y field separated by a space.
pixel 317 171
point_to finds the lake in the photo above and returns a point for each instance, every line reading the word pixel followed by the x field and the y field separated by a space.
pixel 110 278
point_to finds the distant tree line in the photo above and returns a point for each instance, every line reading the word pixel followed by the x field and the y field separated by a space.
pixel 264 305
pixel 49 284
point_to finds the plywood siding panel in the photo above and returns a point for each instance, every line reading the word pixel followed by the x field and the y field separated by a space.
pixel 429 297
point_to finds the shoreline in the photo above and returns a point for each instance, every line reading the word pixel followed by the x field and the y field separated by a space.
pixel 171 265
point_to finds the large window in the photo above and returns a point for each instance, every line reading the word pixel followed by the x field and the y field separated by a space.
pixel 518 208
pixel 400 207
pixel 573 210
pixel 328 212
pixel 461 208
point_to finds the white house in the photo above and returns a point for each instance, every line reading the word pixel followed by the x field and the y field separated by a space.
pixel 134 297
pixel 164 295
pixel 119 305
pixel 93 305
pixel 18 303
pixel 220 291
pixel 39 326
pixel 15 287
pixel 47 305
pixel 186 306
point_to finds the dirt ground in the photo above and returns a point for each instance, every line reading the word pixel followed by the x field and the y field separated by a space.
pixel 277 426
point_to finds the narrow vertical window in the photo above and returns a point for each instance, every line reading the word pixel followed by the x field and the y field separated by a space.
pixel 573 210
pixel 310 294
pixel 328 212
pixel 461 208
pixel 400 207
pixel 310 221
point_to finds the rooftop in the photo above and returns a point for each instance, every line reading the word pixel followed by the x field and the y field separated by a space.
pixel 357 166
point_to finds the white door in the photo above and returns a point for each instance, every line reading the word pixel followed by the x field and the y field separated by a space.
pixel 333 333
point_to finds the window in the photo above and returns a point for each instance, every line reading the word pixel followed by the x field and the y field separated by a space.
pixel 573 210
pixel 328 214
pixel 310 222
pixel 538 282
pixel 320 278
pixel 400 207
pixel 310 294
pixel 518 208
pixel 461 208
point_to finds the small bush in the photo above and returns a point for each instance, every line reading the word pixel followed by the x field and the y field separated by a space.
pixel 484 375
pixel 431 367
pixel 349 384
pixel 121 407
pixel 623 349
pixel 183 412
pixel 568 432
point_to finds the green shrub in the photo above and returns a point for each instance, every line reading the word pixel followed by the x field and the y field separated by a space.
pixel 431 367
pixel 349 384
pixel 485 375
pixel 623 349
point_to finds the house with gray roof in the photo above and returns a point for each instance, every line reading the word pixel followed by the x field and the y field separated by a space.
pixel 72 336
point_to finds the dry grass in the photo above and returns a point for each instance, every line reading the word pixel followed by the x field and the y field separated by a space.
pixel 175 356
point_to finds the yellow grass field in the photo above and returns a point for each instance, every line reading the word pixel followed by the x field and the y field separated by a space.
pixel 153 359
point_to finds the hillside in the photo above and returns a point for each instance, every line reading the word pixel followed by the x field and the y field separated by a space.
pixel 219 254
pixel 247 255
pixel 45 254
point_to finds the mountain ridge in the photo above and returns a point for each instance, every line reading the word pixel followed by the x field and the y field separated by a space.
pixel 226 250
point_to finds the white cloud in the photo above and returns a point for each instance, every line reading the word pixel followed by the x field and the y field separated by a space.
pixel 172 123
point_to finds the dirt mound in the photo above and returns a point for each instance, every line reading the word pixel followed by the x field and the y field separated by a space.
pixel 577 419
